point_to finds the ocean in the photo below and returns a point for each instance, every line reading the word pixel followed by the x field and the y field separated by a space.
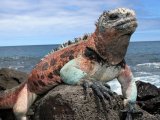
pixel 142 57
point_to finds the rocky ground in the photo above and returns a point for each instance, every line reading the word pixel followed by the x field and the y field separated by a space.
pixel 69 103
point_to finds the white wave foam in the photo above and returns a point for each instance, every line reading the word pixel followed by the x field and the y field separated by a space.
pixel 153 79
pixel 154 64
pixel 15 57
pixel 16 67
pixel 143 73
pixel 115 86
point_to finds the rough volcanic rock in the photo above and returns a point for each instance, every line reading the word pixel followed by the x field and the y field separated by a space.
pixel 10 78
pixel 7 114
pixel 146 91
pixel 148 97
pixel 152 105
pixel 68 103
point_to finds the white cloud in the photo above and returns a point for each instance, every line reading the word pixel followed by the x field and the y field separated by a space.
pixel 46 12
pixel 60 17
pixel 30 15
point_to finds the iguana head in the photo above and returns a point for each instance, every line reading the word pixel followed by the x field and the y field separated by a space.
pixel 113 31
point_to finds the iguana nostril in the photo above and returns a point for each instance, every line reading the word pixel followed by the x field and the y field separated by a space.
pixel 113 17
pixel 128 14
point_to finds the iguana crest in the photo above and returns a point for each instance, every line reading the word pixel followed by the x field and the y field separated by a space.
pixel 68 43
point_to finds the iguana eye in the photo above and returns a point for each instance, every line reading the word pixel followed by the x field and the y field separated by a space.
pixel 113 17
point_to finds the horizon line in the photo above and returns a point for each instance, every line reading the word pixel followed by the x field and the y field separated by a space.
pixel 60 44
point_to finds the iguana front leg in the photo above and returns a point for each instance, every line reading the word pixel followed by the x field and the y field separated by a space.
pixel 129 91
pixel 71 73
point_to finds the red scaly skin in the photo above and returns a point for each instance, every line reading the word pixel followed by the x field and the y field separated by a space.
pixel 47 73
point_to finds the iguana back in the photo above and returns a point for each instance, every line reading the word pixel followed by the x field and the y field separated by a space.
pixel 46 73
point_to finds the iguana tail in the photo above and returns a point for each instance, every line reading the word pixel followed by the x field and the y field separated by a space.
pixel 9 97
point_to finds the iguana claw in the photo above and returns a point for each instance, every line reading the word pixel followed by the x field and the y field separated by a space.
pixel 130 114
pixel 85 86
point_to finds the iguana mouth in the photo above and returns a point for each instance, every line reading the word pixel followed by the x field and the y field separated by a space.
pixel 130 22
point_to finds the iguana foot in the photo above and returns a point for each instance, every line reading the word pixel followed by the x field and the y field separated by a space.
pixel 102 91
pixel 130 114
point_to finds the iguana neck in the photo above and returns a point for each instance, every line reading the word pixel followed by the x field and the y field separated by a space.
pixel 97 43
pixel 91 42
pixel 110 45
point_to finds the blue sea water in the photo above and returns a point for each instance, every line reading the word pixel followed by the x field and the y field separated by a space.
pixel 142 57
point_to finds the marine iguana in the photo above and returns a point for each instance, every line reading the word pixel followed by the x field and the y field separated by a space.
pixel 96 57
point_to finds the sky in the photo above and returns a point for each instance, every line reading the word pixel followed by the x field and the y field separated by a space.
pixel 39 22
